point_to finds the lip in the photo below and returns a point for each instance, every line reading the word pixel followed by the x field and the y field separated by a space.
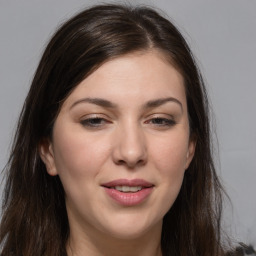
pixel 128 198
pixel 126 182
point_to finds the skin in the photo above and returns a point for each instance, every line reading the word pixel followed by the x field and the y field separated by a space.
pixel 94 144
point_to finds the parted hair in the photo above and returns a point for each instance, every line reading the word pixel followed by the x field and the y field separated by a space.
pixel 34 220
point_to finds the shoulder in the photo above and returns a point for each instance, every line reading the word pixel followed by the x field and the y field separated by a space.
pixel 242 250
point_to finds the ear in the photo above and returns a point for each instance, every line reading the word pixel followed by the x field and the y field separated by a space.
pixel 190 152
pixel 47 155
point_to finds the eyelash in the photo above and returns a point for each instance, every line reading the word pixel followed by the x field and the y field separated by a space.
pixel 165 122
pixel 93 122
pixel 98 122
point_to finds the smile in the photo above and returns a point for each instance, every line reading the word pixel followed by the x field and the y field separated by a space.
pixel 128 192
pixel 127 189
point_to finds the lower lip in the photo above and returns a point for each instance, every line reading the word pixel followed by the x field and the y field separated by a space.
pixel 130 198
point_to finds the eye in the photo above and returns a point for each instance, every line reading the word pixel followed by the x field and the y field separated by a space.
pixel 161 122
pixel 94 122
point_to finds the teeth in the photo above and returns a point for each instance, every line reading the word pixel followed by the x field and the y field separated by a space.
pixel 128 189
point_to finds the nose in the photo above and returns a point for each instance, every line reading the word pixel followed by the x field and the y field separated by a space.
pixel 130 147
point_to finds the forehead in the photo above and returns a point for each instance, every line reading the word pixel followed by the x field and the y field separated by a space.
pixel 137 76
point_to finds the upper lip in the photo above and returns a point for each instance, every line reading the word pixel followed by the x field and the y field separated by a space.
pixel 127 182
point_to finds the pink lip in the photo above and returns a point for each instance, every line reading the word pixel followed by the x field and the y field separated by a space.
pixel 128 198
pixel 126 182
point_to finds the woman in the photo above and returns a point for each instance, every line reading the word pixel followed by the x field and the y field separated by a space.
pixel 112 154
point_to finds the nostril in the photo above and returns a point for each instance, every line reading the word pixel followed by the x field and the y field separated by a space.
pixel 120 162
pixel 141 162
pixel 131 164
pixel 130 151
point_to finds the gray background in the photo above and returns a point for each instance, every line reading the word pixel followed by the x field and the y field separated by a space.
pixel 222 35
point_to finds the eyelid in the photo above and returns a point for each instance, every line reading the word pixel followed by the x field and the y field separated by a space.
pixel 168 120
pixel 93 115
pixel 160 115
pixel 85 121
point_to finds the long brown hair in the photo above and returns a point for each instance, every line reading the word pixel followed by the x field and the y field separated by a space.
pixel 34 218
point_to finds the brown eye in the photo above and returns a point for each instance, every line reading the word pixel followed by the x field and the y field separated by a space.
pixel 94 122
pixel 159 121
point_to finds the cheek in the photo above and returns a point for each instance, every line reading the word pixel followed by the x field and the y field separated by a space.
pixel 78 159
pixel 78 156
pixel 170 161
pixel 170 156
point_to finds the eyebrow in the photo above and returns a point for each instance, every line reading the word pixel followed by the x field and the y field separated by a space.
pixel 97 101
pixel 162 101
pixel 108 104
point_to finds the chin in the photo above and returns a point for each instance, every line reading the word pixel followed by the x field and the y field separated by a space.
pixel 130 230
pixel 128 234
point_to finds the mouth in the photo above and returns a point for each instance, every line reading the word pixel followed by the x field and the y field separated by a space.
pixel 128 189
pixel 128 192
pixel 128 186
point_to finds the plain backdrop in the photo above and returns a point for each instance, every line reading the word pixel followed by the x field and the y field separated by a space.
pixel 222 35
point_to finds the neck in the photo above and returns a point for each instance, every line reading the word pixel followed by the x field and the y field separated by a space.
pixel 96 243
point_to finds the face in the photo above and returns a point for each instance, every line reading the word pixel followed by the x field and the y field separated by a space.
pixel 121 145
